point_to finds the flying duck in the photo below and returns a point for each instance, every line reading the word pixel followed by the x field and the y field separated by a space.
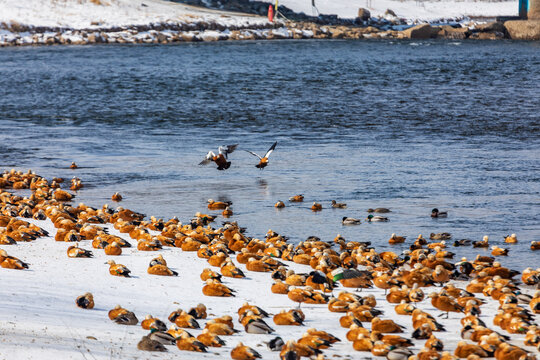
pixel 221 158
pixel 264 159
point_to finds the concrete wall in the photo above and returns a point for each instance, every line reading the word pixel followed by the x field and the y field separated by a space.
pixel 534 10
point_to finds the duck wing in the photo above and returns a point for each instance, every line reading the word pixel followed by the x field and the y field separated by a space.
pixel 258 327
pixel 353 273
pixel 270 150
pixel 208 158
pixel 163 338
pixel 254 154
pixel 226 150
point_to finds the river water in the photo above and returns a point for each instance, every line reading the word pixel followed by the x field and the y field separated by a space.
pixel 404 125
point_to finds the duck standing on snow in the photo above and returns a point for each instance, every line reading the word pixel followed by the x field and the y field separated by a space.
pixel 276 344
pixel 147 344
pixel 122 316
pixel 162 270
pixel 75 252
pixel 162 337
pixel 118 269
pixel 242 352
pixel 263 159
pixel 11 262
pixel 85 301
pixel 209 339
pixel 221 158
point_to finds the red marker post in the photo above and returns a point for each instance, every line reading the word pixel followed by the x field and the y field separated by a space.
pixel 270 13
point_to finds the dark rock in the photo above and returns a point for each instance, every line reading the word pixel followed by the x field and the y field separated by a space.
pixel 364 14
pixel 390 12
pixel 422 31
pixel 162 38
pixel 491 27
pixel 449 32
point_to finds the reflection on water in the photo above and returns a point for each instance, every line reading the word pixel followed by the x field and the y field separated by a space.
pixel 372 124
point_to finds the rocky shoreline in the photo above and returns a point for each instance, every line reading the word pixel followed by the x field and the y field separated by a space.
pixel 363 27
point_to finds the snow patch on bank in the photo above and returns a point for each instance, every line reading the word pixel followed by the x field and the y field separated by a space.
pixel 408 9
pixel 86 14
pixel 40 319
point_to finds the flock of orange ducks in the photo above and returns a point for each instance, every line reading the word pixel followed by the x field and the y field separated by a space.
pixel 406 279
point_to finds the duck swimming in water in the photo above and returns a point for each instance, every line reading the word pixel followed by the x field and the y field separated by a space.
pixel 372 218
pixel 435 213
pixel 350 221
pixel 221 158
pixel 337 205
pixel 296 198
pixel 379 210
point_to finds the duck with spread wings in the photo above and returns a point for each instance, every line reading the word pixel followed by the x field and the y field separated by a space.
pixel 263 159
pixel 221 158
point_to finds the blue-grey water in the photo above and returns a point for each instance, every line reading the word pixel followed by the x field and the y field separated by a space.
pixel 405 125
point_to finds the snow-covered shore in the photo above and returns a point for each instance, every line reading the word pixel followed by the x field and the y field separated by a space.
pixel 49 22
pixel 100 14
pixel 41 321
pixel 409 9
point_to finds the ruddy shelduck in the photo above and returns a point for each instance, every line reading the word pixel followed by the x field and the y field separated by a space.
pixel 263 160
pixel 85 301
pixel 214 288
pixel 221 158
pixel 243 352
pixel 118 269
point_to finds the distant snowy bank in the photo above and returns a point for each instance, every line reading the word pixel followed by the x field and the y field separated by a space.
pixel 49 22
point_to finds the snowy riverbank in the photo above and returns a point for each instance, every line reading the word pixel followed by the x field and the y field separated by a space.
pixel 52 22
pixel 41 320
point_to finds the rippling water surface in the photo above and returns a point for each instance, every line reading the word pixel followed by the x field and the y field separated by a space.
pixel 404 125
